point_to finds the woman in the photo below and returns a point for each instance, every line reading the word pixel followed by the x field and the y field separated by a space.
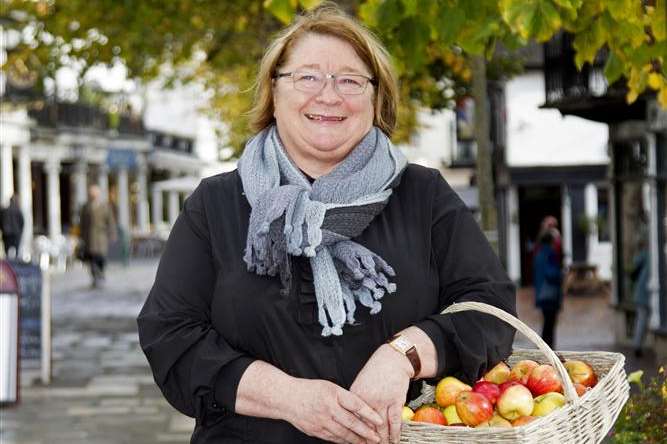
pixel 547 279
pixel 282 282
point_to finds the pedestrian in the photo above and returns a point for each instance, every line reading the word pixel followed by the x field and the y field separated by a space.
pixel 98 230
pixel 298 297
pixel 550 224
pixel 547 279
pixel 640 276
pixel 11 224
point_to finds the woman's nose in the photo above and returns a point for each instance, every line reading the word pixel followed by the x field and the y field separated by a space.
pixel 329 94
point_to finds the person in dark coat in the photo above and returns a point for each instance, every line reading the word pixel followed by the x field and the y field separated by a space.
pixel 547 279
pixel 299 297
pixel 98 230
pixel 11 224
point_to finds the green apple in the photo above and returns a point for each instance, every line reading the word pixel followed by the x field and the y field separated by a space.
pixel 548 402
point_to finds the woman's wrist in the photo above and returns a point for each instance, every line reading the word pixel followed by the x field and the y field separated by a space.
pixel 428 355
pixel 265 391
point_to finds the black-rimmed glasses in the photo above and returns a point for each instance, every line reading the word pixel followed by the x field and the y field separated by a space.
pixel 314 81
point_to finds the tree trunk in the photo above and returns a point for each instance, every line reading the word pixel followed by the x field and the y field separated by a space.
pixel 484 172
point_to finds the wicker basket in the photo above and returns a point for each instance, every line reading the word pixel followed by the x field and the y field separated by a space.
pixel 581 420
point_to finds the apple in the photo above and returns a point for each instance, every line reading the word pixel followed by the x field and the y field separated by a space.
pixel 523 420
pixel 473 408
pixel 505 385
pixel 496 421
pixel 447 389
pixel 547 403
pixel 581 389
pixel 521 370
pixel 498 374
pixel 544 379
pixel 431 415
pixel 514 402
pixel 488 389
pixel 407 414
pixel 581 372
pixel 451 416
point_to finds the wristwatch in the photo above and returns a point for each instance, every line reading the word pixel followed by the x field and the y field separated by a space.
pixel 404 346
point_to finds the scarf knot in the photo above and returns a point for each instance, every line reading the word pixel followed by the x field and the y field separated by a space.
pixel 292 217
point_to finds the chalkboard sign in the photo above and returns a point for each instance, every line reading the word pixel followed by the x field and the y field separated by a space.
pixel 29 278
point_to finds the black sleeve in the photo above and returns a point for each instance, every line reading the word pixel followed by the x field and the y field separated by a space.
pixel 194 366
pixel 468 343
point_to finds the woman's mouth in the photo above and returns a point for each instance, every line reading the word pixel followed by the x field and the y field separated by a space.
pixel 325 118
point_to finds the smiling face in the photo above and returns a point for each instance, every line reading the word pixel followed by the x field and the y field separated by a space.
pixel 319 130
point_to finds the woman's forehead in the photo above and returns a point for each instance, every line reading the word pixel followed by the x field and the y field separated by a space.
pixel 324 52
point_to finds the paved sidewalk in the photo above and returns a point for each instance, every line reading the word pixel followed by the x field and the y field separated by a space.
pixel 102 390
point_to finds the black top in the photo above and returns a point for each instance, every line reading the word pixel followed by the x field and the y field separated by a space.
pixel 207 318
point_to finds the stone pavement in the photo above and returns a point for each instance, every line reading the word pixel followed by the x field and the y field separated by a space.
pixel 102 390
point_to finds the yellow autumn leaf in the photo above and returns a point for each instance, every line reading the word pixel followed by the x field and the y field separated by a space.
pixel 655 81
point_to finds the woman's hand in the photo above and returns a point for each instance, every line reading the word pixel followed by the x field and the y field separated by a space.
pixel 383 384
pixel 324 410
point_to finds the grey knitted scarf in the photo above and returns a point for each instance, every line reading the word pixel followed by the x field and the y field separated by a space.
pixel 291 216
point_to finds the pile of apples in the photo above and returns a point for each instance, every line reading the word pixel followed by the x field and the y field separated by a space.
pixel 504 397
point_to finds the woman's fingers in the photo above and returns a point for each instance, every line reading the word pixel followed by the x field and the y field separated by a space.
pixel 356 427
pixel 394 420
pixel 353 403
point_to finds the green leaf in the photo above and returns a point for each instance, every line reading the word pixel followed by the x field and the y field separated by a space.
pixel 283 10
pixel 449 22
pixel 389 15
pixel 309 4
pixel 614 68
pixel 413 35
pixel 587 43
pixel 410 7
pixel 636 377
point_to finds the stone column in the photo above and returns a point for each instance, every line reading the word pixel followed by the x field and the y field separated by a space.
pixel 513 235
pixel 80 183
pixel 566 219
pixel 173 207
pixel 654 226
pixel 25 197
pixel 156 209
pixel 142 201
pixel 52 170
pixel 103 181
pixel 6 174
pixel 123 200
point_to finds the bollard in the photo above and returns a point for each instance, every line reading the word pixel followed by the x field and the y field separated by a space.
pixel 9 335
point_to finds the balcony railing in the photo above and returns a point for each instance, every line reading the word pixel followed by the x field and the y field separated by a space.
pixel 585 93
pixel 79 115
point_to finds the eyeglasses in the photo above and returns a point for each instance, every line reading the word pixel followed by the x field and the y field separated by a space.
pixel 314 81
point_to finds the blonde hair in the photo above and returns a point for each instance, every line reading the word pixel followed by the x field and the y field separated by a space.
pixel 328 19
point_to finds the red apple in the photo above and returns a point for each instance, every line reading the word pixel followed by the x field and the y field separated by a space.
pixel 428 414
pixel 505 385
pixel 581 373
pixel 447 389
pixel 544 379
pixel 523 420
pixel 521 370
pixel 581 389
pixel 498 374
pixel 473 408
pixel 488 389
pixel 514 402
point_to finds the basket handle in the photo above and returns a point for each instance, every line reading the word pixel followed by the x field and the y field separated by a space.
pixel 568 386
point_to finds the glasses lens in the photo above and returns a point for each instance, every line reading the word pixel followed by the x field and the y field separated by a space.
pixel 351 84
pixel 308 81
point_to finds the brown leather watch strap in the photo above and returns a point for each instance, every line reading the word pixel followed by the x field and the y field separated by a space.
pixel 408 349
pixel 413 356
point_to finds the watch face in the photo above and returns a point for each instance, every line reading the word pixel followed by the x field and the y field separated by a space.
pixel 402 344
